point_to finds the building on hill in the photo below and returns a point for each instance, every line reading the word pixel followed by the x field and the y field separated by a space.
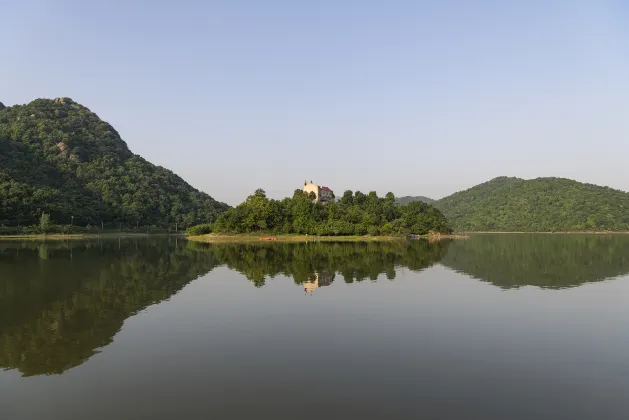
pixel 322 194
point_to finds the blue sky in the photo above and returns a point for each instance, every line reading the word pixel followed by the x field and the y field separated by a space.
pixel 414 97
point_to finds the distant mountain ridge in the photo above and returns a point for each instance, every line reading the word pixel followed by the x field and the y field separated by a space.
pixel 409 199
pixel 58 157
pixel 536 205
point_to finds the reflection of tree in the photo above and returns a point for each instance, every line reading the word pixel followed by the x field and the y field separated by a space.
pixel 60 303
pixel 548 261
pixel 354 261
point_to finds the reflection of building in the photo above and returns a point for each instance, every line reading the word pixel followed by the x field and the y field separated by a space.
pixel 318 280
pixel 322 194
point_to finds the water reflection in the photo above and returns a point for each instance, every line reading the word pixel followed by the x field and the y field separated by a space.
pixel 61 302
pixel 355 262
pixel 320 279
pixel 546 261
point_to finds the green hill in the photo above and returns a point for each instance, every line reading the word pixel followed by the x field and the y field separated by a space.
pixel 537 205
pixel 58 157
pixel 409 199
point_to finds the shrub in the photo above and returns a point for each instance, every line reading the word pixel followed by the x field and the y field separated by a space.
pixel 203 229
pixel 373 231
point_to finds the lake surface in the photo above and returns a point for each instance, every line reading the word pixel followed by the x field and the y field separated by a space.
pixel 494 327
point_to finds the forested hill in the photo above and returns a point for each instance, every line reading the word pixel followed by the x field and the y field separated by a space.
pixel 58 157
pixel 537 205
pixel 409 199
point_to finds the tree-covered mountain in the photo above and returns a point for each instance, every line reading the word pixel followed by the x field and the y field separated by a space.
pixel 409 199
pixel 536 205
pixel 58 157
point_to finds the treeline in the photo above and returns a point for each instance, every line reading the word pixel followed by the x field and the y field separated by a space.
pixel 353 214
pixel 59 158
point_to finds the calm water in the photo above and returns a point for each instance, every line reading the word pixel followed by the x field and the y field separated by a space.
pixel 494 327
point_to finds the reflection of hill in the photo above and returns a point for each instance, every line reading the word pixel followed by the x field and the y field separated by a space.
pixel 59 303
pixel 548 261
pixel 354 261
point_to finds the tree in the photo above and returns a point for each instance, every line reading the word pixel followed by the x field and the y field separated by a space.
pixel 44 223
pixel 347 198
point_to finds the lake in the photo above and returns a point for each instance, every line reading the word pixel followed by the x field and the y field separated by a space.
pixel 492 327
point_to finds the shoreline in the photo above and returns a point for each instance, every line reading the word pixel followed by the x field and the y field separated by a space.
pixel 545 233
pixel 78 236
pixel 248 238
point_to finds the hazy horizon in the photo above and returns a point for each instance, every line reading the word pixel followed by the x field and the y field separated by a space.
pixel 417 98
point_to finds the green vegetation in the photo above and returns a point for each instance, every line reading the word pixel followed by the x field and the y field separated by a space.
pixel 44 223
pixel 547 261
pixel 202 229
pixel 538 205
pixel 354 214
pixel 58 158
pixel 242 238
pixel 408 199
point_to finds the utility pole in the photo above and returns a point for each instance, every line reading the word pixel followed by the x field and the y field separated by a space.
pixel 175 227
pixel 102 226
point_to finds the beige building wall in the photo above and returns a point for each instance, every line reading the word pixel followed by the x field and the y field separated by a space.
pixel 308 188
pixel 320 193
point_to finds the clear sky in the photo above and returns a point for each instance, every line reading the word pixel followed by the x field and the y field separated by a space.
pixel 415 97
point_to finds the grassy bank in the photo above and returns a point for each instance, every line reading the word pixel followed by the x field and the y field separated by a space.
pixel 249 238
pixel 290 238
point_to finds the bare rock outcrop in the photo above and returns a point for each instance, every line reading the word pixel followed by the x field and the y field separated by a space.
pixel 64 101
pixel 63 149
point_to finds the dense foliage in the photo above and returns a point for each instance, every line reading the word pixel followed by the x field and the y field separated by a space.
pixel 548 261
pixel 409 199
pixel 353 214
pixel 537 205
pixel 202 229
pixel 57 157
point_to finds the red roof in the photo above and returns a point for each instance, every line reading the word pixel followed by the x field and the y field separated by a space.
pixel 326 188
